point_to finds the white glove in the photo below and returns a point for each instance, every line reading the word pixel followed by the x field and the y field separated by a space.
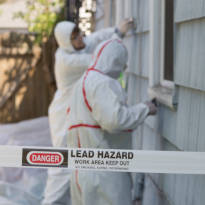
pixel 125 26
pixel 152 108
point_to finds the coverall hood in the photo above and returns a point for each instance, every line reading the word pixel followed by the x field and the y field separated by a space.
pixel 110 57
pixel 62 33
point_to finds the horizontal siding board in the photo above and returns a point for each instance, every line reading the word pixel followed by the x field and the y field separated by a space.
pixel 137 138
pixel 151 139
pixel 143 87
pixel 168 186
pixel 137 89
pixel 119 11
pixel 189 9
pixel 183 114
pixel 153 122
pixel 189 54
pixel 193 125
pixel 138 10
pixel 201 122
pixel 130 43
pixel 181 184
pixel 128 8
pixel 143 15
pixel 189 190
pixel 199 196
pixel 143 54
pixel 167 145
pixel 166 182
pixel 138 49
pixel 167 126
pixel 190 120
pixel 181 189
pixel 133 90
pixel 151 194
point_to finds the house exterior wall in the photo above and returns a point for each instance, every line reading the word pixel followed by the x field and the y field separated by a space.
pixel 184 128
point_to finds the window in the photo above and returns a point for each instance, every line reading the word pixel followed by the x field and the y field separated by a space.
pixel 167 73
pixel 161 73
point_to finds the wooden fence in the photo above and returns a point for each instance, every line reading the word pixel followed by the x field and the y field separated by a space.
pixel 27 81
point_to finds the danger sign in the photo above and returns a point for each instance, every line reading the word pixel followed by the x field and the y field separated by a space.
pixel 53 158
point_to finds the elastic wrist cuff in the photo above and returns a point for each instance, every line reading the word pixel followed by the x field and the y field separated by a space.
pixel 121 35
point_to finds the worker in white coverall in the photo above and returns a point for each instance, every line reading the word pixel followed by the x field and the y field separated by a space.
pixel 72 58
pixel 100 118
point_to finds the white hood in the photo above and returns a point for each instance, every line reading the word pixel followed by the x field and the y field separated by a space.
pixel 62 33
pixel 110 57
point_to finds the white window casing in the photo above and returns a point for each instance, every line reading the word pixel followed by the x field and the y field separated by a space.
pixel 163 90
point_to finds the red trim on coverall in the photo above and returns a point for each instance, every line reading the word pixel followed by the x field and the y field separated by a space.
pixel 100 51
pixel 84 92
pixel 90 109
pixel 93 69
pixel 76 171
pixel 76 179
pixel 88 106
pixel 83 125
pixel 68 110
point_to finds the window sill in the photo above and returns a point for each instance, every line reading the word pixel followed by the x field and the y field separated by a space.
pixel 164 95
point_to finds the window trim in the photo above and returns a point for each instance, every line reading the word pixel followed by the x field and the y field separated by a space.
pixel 163 90
pixel 163 82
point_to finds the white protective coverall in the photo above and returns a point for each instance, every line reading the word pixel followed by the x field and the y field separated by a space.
pixel 69 67
pixel 100 118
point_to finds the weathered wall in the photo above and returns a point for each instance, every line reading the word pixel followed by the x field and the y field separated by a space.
pixel 184 128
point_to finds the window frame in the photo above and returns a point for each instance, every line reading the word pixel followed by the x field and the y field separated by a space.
pixel 163 90
pixel 163 82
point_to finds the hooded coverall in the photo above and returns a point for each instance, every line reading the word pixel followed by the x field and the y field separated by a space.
pixel 99 117
pixel 69 67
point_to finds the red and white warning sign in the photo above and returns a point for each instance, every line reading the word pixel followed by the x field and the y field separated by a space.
pixel 45 158
pixel 54 158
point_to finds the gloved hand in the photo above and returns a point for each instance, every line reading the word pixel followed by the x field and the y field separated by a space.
pixel 125 26
pixel 152 108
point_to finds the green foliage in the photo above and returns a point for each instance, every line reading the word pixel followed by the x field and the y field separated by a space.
pixel 121 80
pixel 42 16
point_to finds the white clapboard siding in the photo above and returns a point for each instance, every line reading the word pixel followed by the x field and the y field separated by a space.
pixel 183 110
pixel 133 90
pixel 161 190
pixel 201 124
pixel 189 189
pixel 181 184
pixel 151 139
pixel 142 14
pixel 138 48
pixel 129 42
pixel 167 123
pixel 190 120
pixel 128 9
pixel 189 9
pixel 119 11
pixel 189 54
pixel 166 182
pixel 152 195
pixel 137 89
pixel 183 129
